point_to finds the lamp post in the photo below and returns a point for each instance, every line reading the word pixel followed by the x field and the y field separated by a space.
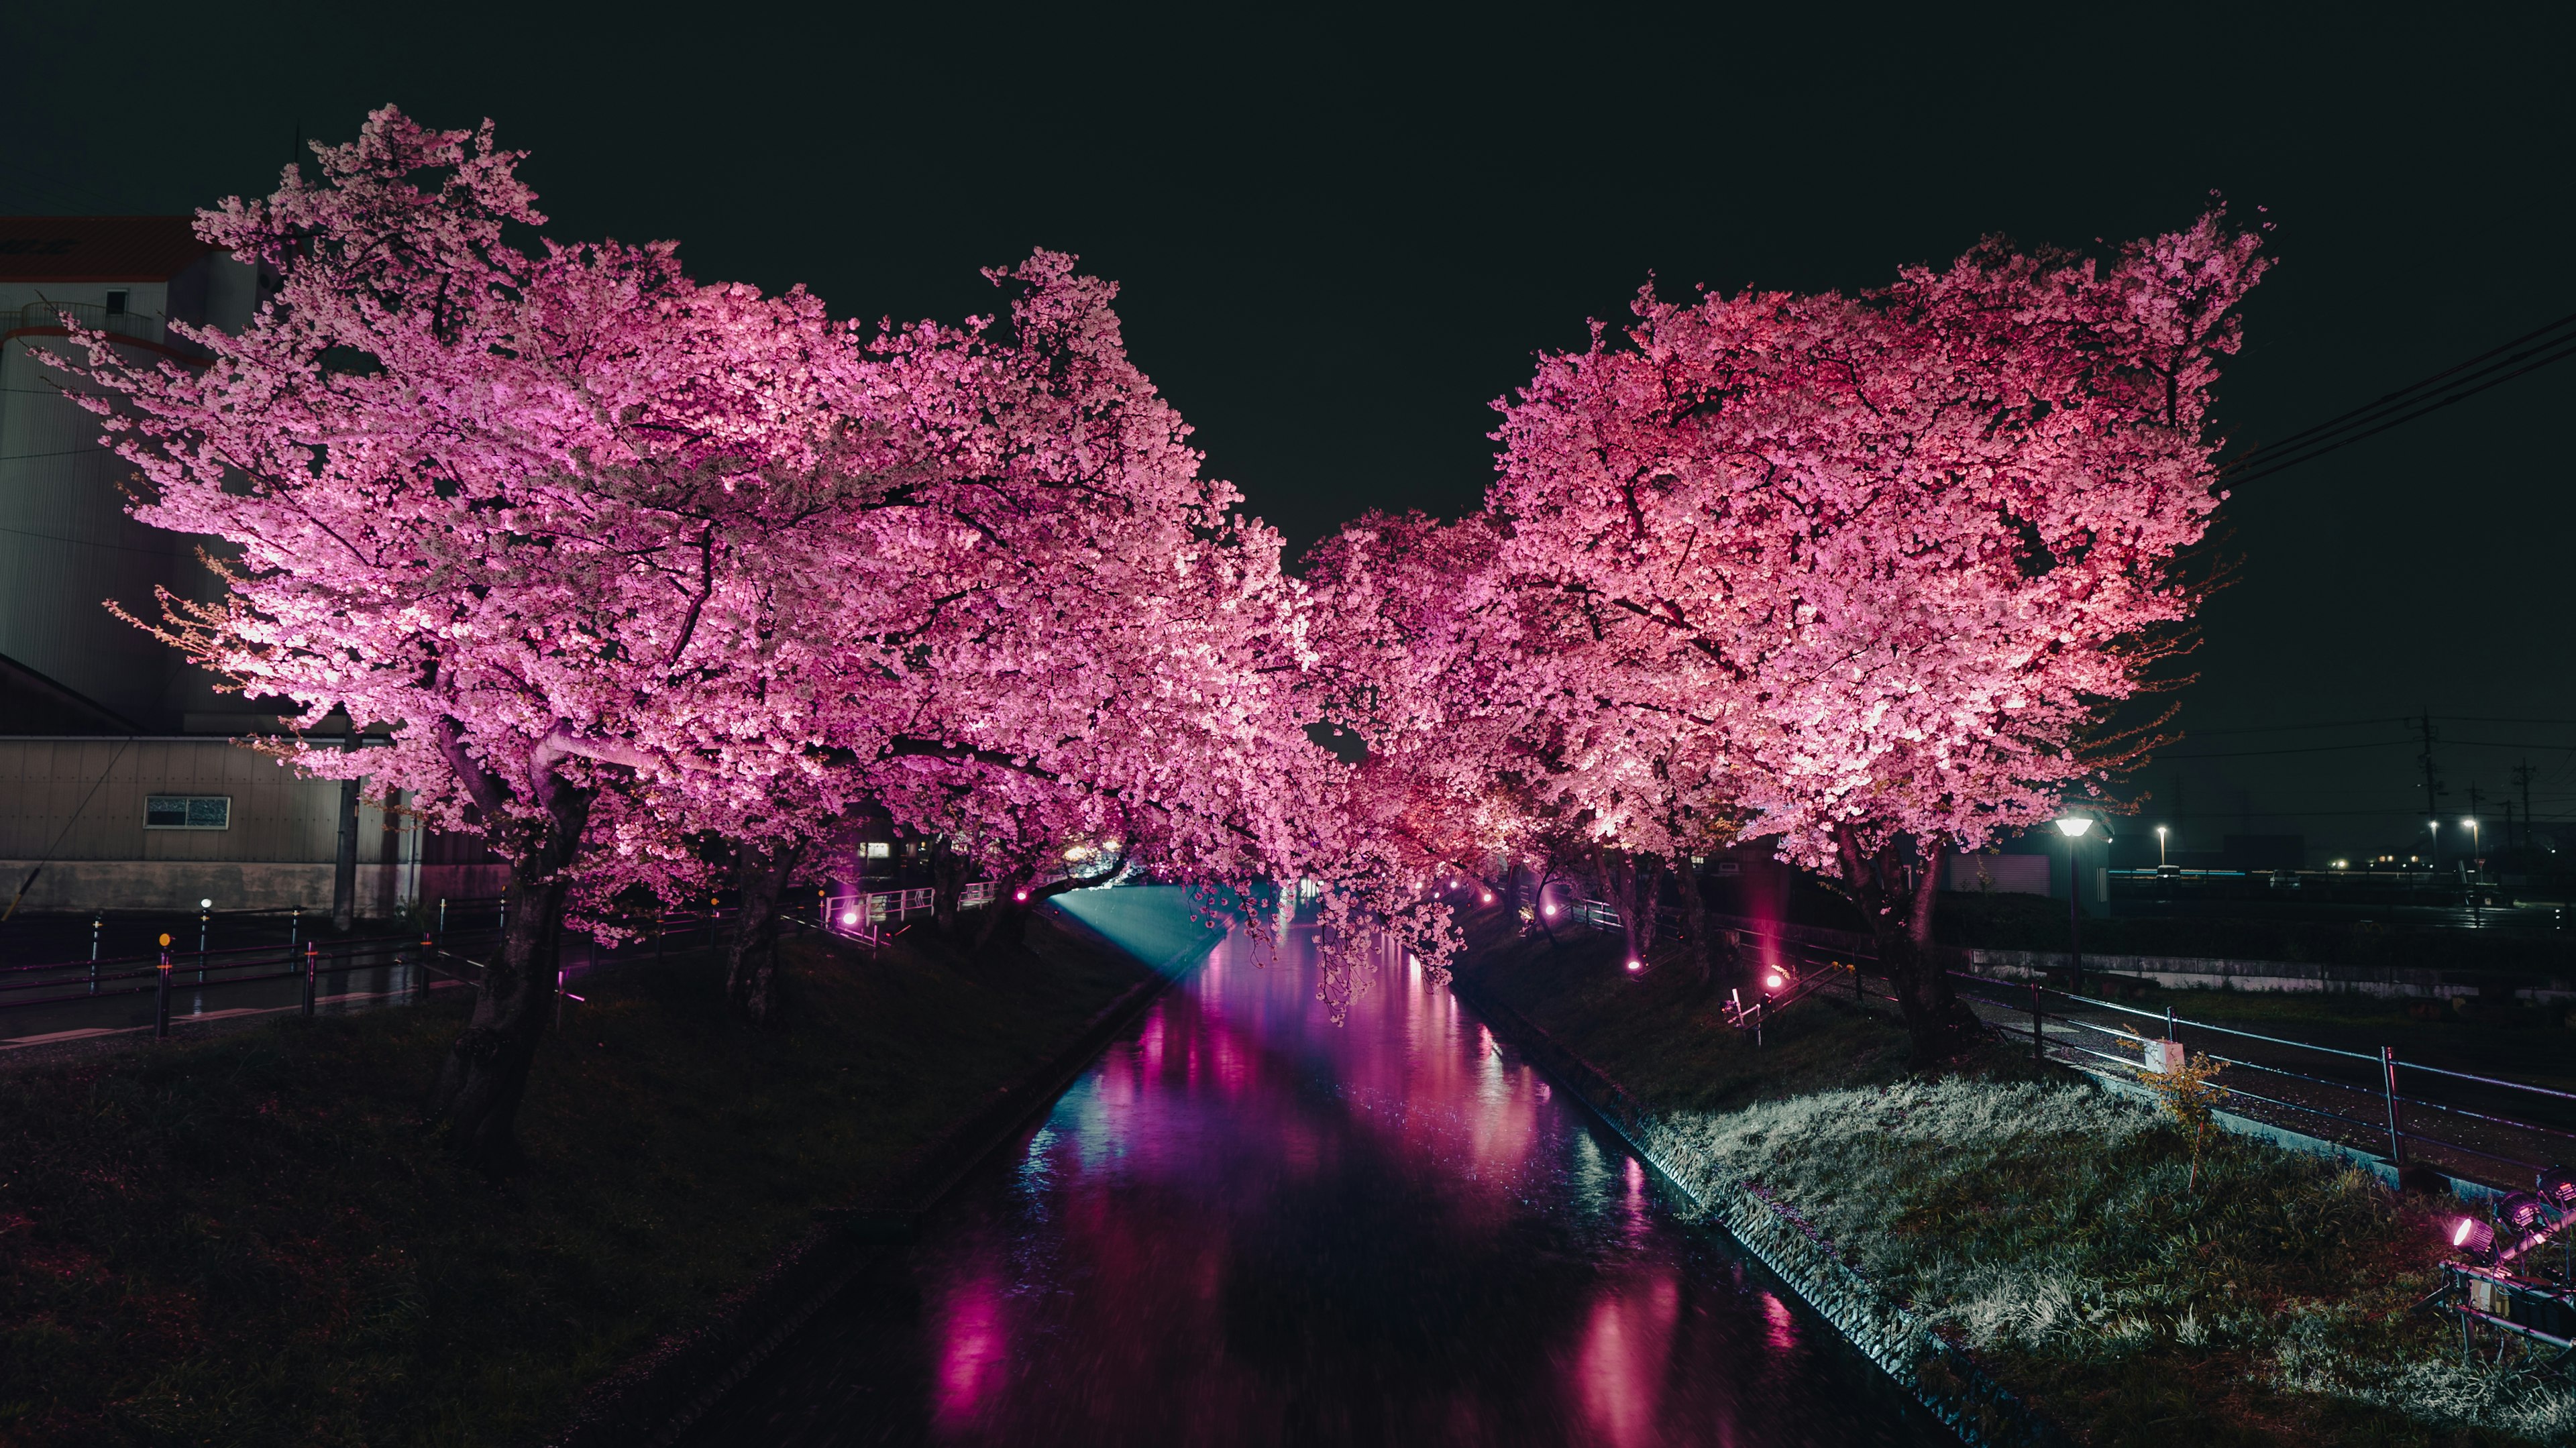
pixel 2074 827
pixel 2476 866
pixel 2160 847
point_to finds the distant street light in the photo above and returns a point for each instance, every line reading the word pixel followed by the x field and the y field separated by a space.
pixel 2160 847
pixel 2074 828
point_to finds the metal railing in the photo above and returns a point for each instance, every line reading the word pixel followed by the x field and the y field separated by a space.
pixel 140 327
pixel 2402 1123
pixel 2326 1096
pixel 864 916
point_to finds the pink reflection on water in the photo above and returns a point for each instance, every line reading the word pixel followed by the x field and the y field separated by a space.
pixel 1627 1350
pixel 974 1348
pixel 1783 1324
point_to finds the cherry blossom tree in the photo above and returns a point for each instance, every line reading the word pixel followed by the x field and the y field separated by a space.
pixel 543 508
pixel 1881 564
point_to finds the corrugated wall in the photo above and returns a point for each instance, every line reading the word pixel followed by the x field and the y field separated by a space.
pixel 75 806
pixel 89 793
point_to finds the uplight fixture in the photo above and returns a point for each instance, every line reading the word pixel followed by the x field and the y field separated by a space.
pixel 1636 965
pixel 2522 1211
pixel 1773 981
pixel 849 917
pixel 2558 1185
pixel 2473 1239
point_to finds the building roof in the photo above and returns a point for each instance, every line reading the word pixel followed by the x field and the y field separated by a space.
pixel 97 248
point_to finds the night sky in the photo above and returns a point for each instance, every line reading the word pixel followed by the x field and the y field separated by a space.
pixel 1340 236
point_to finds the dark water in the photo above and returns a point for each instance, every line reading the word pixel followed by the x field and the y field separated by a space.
pixel 1246 1225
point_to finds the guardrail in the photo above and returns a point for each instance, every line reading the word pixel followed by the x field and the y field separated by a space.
pixel 2469 1136
pixel 864 916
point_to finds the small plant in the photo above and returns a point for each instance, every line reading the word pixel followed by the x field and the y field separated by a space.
pixel 2187 1091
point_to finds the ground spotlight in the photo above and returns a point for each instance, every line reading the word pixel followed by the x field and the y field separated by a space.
pixel 1636 965
pixel 1489 897
pixel 2558 1187
pixel 1019 894
pixel 849 917
pixel 1551 909
pixel 1773 981
pixel 2473 1239
pixel 2522 1211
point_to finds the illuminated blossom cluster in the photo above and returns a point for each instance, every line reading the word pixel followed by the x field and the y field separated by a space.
pixel 1857 573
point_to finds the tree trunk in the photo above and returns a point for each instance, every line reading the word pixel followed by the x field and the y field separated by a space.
pixel 1645 891
pixel 1619 888
pixel 476 1100
pixel 947 882
pixel 752 969
pixel 1695 923
pixel 1940 1024
pixel 1538 902
pixel 1006 919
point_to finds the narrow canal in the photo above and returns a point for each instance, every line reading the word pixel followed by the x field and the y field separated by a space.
pixel 1248 1225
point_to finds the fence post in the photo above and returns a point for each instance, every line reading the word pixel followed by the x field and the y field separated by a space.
pixel 161 1010
pixel 309 951
pixel 96 922
pixel 2038 1040
pixel 2396 1138
pixel 2169 1023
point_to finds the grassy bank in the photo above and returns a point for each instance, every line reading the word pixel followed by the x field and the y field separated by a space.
pixel 247 1240
pixel 2049 1226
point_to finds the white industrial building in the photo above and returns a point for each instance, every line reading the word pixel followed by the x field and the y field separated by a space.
pixel 122 785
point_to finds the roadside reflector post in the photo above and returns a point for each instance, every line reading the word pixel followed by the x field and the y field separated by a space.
pixel 2396 1137
pixel 2038 1041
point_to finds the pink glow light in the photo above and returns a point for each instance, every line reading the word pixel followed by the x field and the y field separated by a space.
pixel 1774 980
pixel 2460 1234
pixel 1636 965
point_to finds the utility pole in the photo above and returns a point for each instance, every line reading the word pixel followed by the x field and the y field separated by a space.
pixel 2522 776
pixel 2432 792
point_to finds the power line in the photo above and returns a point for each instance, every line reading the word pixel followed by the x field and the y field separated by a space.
pixel 2527 353
pixel 2304 749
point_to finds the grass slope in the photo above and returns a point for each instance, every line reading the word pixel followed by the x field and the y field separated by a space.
pixel 2045 1223
pixel 248 1241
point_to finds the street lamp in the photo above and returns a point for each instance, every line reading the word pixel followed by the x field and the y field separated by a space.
pixel 2160 847
pixel 2476 866
pixel 2074 828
